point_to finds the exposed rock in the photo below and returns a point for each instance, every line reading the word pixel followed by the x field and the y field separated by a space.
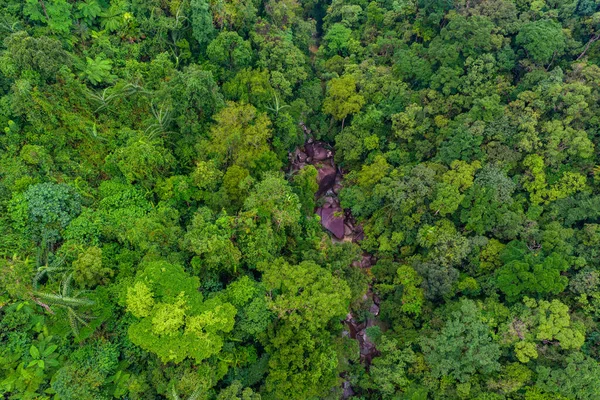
pixel 365 262
pixel 306 130
pixel 322 154
pixel 374 309
pixel 358 331
pixel 301 156
pixel 348 230
pixel 309 147
pixel 325 178
pixel 376 299
pixel 347 390
pixel 330 201
pixel 368 347
pixel 359 234
pixel 332 219
pixel 317 151
pixel 343 227
pixel 352 325
pixel 371 322
pixel 298 160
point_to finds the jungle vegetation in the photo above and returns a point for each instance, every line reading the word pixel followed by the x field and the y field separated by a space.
pixel 156 241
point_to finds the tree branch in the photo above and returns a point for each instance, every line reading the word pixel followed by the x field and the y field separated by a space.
pixel 587 45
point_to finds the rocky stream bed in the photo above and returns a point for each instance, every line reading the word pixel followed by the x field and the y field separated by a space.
pixel 342 228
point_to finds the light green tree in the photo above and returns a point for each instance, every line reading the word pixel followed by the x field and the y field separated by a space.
pixel 342 98
pixel 211 239
pixel 241 137
pixel 305 298
pixel 174 321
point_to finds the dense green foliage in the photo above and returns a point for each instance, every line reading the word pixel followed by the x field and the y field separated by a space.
pixel 155 243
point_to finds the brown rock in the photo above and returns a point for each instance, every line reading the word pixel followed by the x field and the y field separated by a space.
pixel 359 234
pixel 309 146
pixel 347 391
pixel 347 230
pixel 325 178
pixel 330 201
pixel 297 166
pixel 297 160
pixel 301 156
pixel 322 154
pixel 317 151
pixel 366 261
pixel 376 299
pixel 332 219
pixel 374 309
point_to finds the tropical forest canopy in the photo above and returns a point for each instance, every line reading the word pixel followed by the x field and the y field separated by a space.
pixel 159 238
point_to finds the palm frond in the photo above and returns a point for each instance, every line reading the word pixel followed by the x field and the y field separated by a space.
pixel 196 394
pixel 65 301
pixel 163 120
pixel 73 322
pixel 174 394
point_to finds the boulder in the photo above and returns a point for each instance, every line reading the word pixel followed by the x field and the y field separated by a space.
pixel 374 309
pixel 359 234
pixel 329 202
pixel 348 230
pixel 317 151
pixel 332 219
pixel 347 391
pixel 376 299
pixel 322 154
pixel 301 156
pixel 297 160
pixel 325 178
pixel 366 261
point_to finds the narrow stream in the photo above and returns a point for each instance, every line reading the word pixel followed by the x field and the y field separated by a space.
pixel 342 228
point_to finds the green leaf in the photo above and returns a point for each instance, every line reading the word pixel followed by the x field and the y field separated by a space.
pixel 97 70
pixel 35 353
pixel 50 350
pixel 52 362
pixel 90 9
pixel 32 9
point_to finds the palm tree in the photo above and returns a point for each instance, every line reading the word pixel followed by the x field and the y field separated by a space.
pixel 163 119
pixel 276 105
pixel 67 300
pixel 193 396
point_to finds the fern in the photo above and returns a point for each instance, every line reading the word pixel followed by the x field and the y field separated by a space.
pixel 97 70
